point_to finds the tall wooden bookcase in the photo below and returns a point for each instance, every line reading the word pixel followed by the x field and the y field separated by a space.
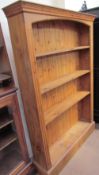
pixel 53 51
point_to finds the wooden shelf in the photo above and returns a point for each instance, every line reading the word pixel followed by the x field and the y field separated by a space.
pixel 60 108
pixel 6 139
pixel 64 146
pixel 7 90
pixel 62 51
pixel 62 80
pixel 5 120
pixel 4 77
pixel 11 159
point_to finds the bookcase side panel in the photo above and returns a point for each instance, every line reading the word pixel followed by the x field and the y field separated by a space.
pixel 29 89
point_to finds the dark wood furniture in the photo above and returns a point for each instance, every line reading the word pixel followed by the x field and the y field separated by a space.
pixel 14 157
pixel 53 51
pixel 95 11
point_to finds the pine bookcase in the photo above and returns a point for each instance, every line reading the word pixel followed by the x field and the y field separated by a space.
pixel 53 51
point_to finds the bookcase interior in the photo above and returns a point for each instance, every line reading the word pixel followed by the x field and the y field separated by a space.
pixel 62 50
pixel 59 34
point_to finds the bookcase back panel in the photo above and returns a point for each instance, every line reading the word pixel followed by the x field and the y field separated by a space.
pixel 58 34
pixel 84 83
pixel 59 94
pixel 85 110
pixel 84 56
pixel 52 67
pixel 84 34
pixel 62 124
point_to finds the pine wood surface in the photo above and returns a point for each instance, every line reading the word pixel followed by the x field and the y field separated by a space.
pixel 63 51
pixel 62 80
pixel 66 142
pixel 60 108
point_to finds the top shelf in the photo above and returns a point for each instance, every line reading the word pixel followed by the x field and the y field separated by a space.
pixel 62 51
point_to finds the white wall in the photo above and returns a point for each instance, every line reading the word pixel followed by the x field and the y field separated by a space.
pixel 76 4
pixel 56 3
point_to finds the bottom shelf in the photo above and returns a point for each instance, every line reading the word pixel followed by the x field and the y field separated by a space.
pixel 10 158
pixel 64 146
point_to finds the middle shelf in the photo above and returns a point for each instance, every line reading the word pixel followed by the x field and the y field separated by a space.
pixel 60 108
pixel 5 120
pixel 62 80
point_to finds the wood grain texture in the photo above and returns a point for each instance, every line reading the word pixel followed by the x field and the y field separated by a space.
pixel 31 101
pixel 67 141
pixel 51 32
pixel 62 51
pixel 62 80
pixel 59 165
pixel 60 108
pixel 52 55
